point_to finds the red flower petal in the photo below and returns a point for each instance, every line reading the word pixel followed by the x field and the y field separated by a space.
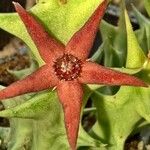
pixel 82 41
pixel 70 95
pixel 41 79
pixel 96 74
pixel 48 47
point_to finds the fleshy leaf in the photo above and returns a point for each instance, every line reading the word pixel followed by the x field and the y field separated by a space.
pixel 127 70
pixel 19 31
pixel 27 110
pixel 86 140
pixel 115 50
pixel 111 57
pixel 135 55
pixel 145 72
pixel 40 112
pixel 143 34
pixel 112 112
pixel 143 21
pixel 97 56
pixel 4 136
pixel 108 31
pixel 143 39
pixel 18 139
pixel 147 6
pixel 24 72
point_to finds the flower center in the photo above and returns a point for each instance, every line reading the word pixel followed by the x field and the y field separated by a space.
pixel 68 67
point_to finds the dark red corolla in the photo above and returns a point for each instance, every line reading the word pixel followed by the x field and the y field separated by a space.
pixel 67 68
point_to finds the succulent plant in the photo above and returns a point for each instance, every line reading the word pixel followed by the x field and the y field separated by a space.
pixel 37 119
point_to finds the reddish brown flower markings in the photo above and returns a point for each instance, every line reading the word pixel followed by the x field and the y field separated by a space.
pixel 60 62
pixel 68 67
pixel 93 73
pixel 82 41
pixel 41 79
pixel 48 47
pixel 70 95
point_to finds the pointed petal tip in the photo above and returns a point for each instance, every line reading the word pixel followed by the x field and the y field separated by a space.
pixel 139 84
pixel 105 1
pixel 73 148
pixel 104 4
pixel 135 81
pixel 16 4
pixel 143 84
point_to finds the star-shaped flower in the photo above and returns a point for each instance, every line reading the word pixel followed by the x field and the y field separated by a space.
pixel 67 68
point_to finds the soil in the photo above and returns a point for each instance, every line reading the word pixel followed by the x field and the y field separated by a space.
pixel 11 59
pixel 17 62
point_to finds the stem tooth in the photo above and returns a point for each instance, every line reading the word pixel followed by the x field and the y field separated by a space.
pixel 54 88
pixel 88 59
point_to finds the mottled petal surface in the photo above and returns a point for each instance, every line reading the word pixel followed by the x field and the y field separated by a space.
pixel 82 41
pixel 70 95
pixel 93 73
pixel 41 79
pixel 48 47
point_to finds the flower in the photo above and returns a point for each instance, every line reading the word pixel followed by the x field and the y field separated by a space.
pixel 67 68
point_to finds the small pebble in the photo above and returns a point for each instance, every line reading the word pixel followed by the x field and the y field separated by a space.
pixel 140 145
pixel 148 147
